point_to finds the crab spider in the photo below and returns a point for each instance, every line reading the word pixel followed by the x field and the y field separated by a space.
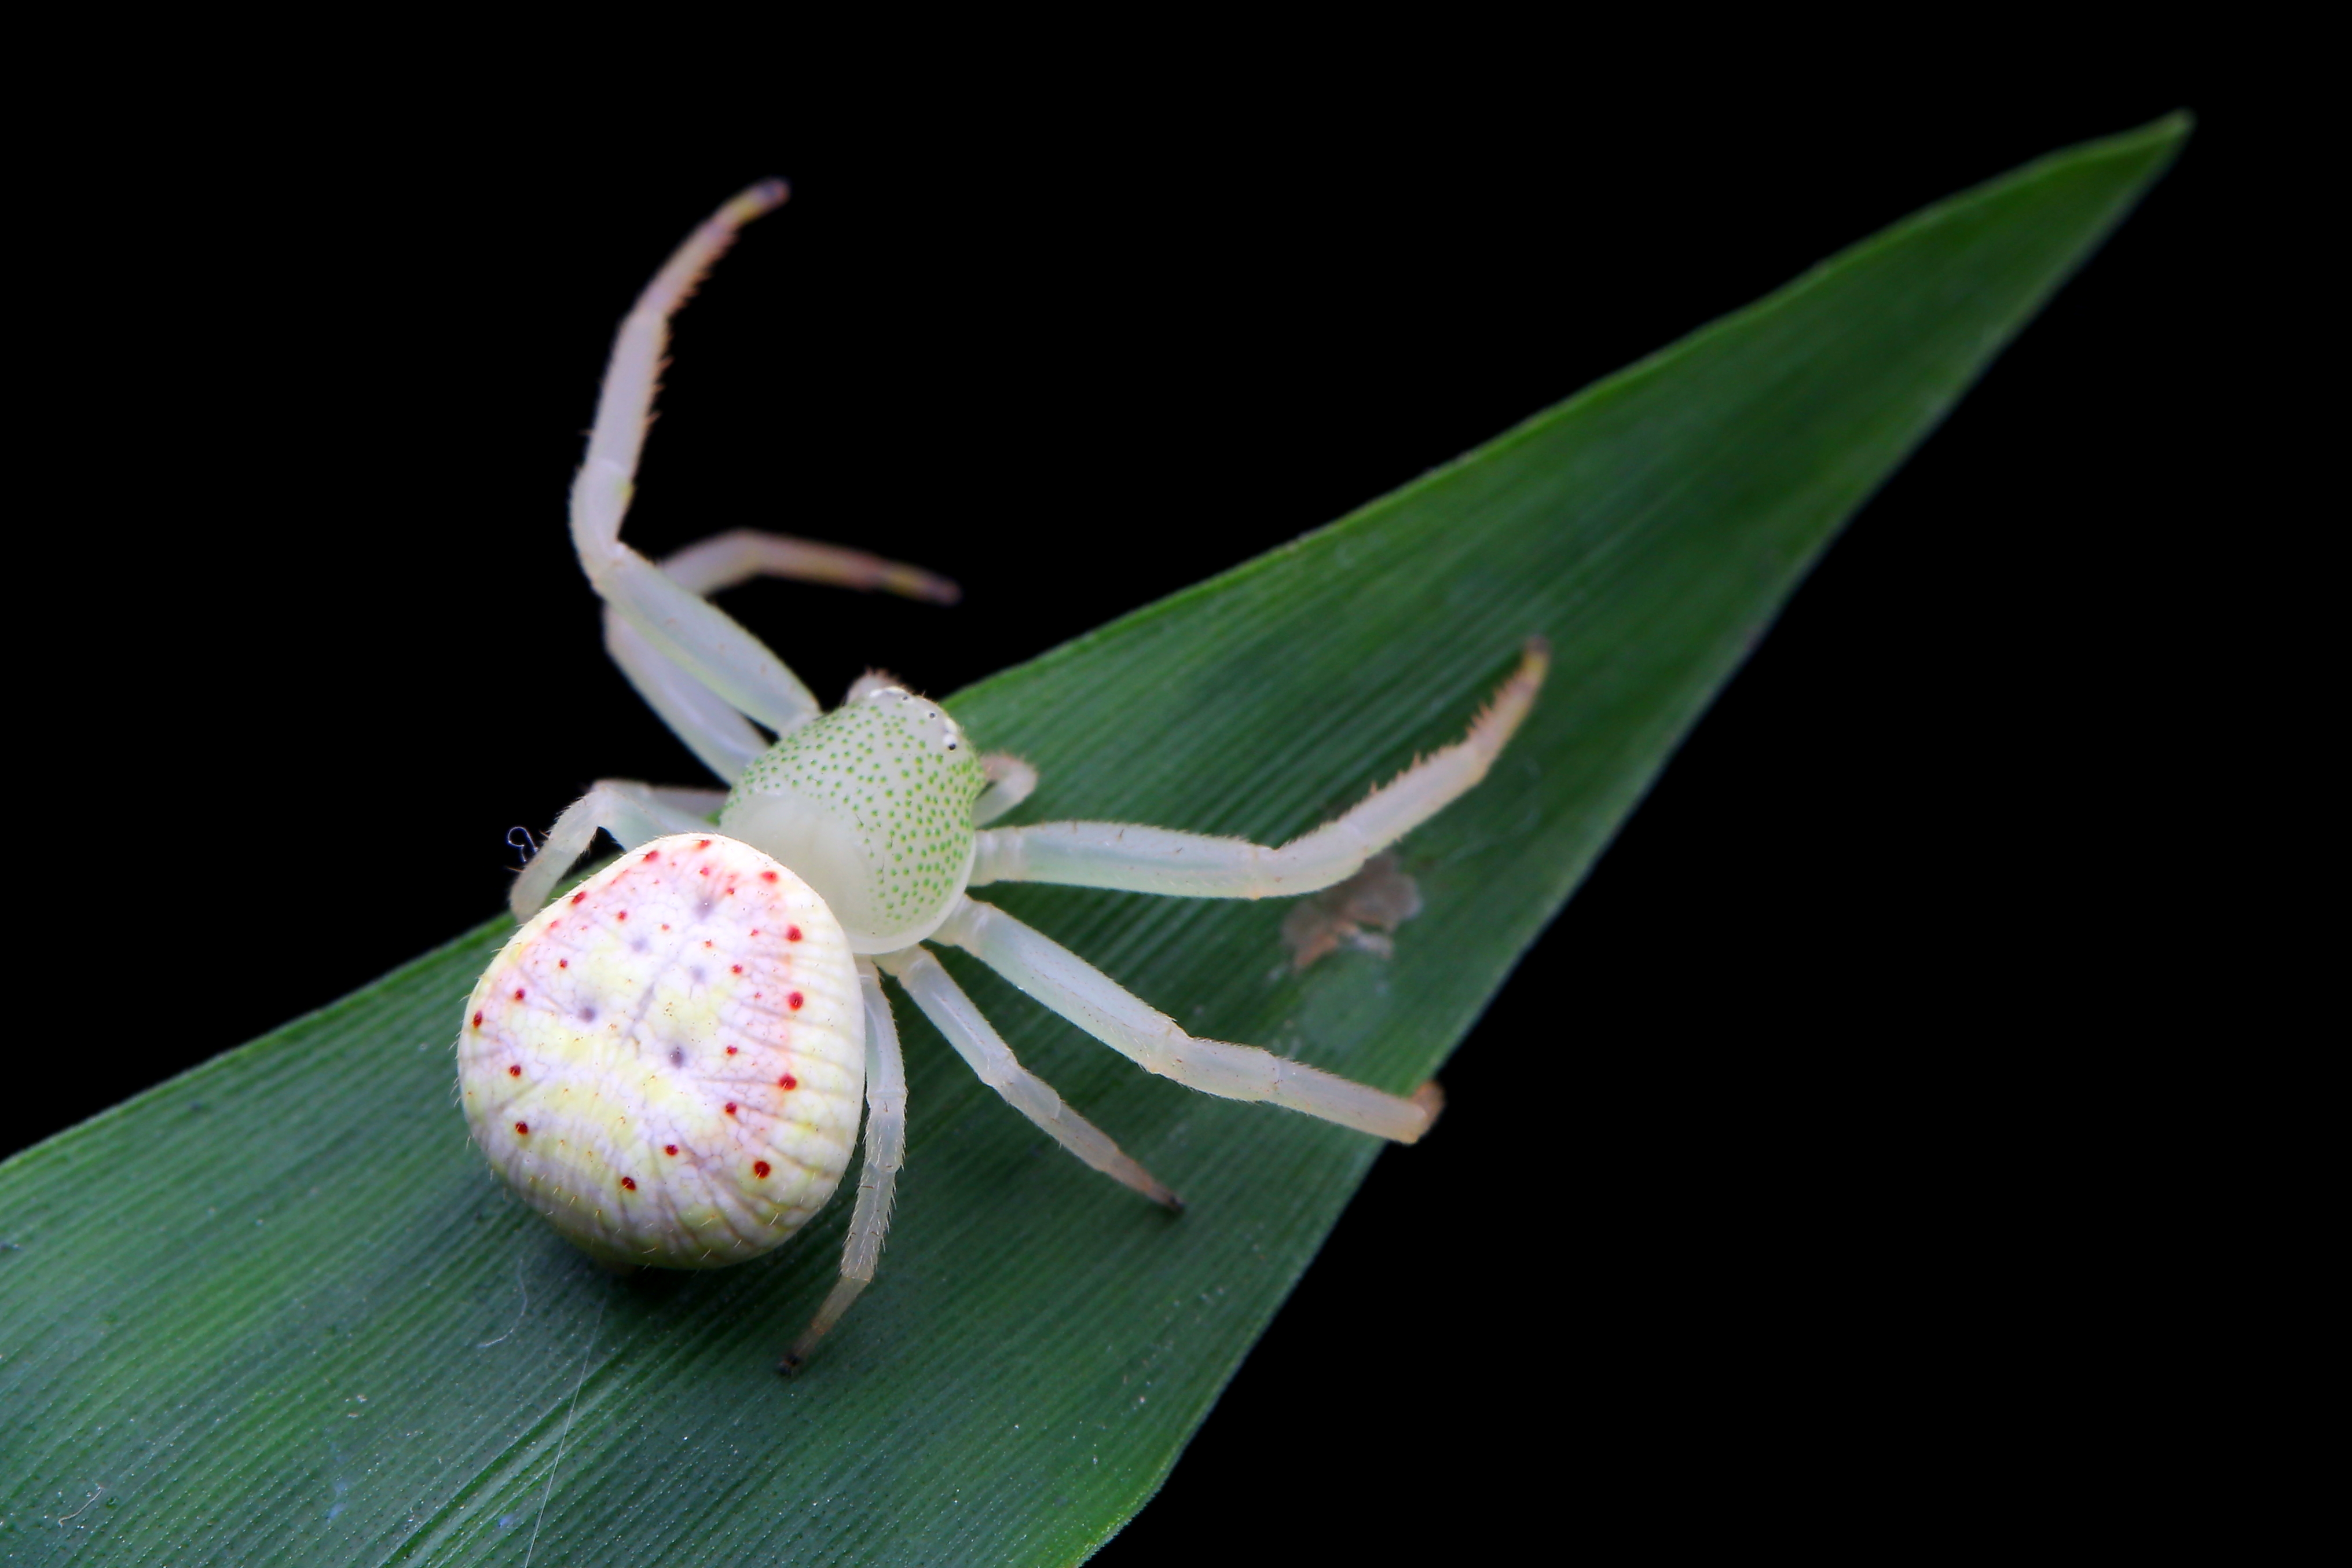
pixel 667 1063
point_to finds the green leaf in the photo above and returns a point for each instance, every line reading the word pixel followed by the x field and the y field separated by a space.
pixel 275 1364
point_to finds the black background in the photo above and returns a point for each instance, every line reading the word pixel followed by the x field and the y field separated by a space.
pixel 1833 1201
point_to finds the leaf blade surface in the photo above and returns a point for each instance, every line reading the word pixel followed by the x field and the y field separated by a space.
pixel 278 1310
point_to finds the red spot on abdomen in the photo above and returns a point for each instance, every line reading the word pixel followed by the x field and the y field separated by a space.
pixel 517 993
pixel 705 844
pixel 628 1184
pixel 730 1107
pixel 788 1082
pixel 738 969
pixel 562 963
pixel 795 1000
pixel 653 854
pixel 622 916
pixel 580 895
pixel 514 1072
pixel 767 875
pixel 523 1127
pixel 760 1169
pixel 730 1050
pixel 477 1020
pixel 794 934
pixel 669 1148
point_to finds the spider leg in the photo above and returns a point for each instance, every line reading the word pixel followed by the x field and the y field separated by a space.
pixel 943 1002
pixel 1009 781
pixel 631 813
pixel 707 722
pixel 877 1178
pixel 1115 1016
pixel 677 622
pixel 725 560
pixel 697 715
pixel 1190 865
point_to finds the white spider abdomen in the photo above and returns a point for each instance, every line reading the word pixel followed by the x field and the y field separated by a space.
pixel 668 1062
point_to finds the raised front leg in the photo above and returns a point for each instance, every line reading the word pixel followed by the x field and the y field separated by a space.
pixel 944 1003
pixel 677 622
pixel 1192 865
pixel 1010 781
pixel 877 1178
pixel 632 812
pixel 1116 1016
pixel 707 722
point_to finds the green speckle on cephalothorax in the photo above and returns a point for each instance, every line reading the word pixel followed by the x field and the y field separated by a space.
pixel 668 1062
pixel 872 804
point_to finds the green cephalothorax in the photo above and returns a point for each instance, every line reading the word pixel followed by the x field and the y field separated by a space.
pixel 871 804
